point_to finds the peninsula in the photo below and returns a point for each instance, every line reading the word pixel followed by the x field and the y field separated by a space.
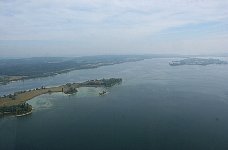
pixel 197 61
pixel 15 104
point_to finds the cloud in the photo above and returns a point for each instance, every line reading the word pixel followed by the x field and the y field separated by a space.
pixel 126 21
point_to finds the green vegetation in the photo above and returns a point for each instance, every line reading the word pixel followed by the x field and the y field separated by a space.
pixel 110 82
pixel 71 89
pixel 15 104
pixel 18 69
pixel 103 82
pixel 197 61
pixel 15 109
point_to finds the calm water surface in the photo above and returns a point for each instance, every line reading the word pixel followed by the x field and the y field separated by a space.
pixel 156 107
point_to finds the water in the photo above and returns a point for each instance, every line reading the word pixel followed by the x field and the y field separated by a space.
pixel 156 107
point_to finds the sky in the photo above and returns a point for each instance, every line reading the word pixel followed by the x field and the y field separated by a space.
pixel 31 28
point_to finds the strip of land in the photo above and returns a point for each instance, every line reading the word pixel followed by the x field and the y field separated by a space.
pixel 197 61
pixel 16 103
pixel 28 68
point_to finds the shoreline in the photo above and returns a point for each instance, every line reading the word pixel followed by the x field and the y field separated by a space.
pixel 7 79
pixel 25 114
pixel 14 103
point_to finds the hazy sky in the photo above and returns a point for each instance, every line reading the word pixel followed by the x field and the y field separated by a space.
pixel 95 27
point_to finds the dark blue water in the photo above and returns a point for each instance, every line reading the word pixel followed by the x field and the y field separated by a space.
pixel 157 107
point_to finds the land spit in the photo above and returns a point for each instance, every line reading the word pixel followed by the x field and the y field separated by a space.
pixel 16 103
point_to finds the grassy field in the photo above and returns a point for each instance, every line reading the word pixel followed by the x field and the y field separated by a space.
pixel 27 95
pixel 22 96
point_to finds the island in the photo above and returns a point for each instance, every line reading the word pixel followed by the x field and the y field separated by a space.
pixel 15 104
pixel 197 61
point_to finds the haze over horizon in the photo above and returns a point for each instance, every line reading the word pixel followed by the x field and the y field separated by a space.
pixel 31 28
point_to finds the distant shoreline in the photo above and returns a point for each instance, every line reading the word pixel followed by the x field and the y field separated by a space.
pixel 198 61
pixel 49 67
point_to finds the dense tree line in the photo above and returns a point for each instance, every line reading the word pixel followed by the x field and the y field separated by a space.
pixel 38 67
